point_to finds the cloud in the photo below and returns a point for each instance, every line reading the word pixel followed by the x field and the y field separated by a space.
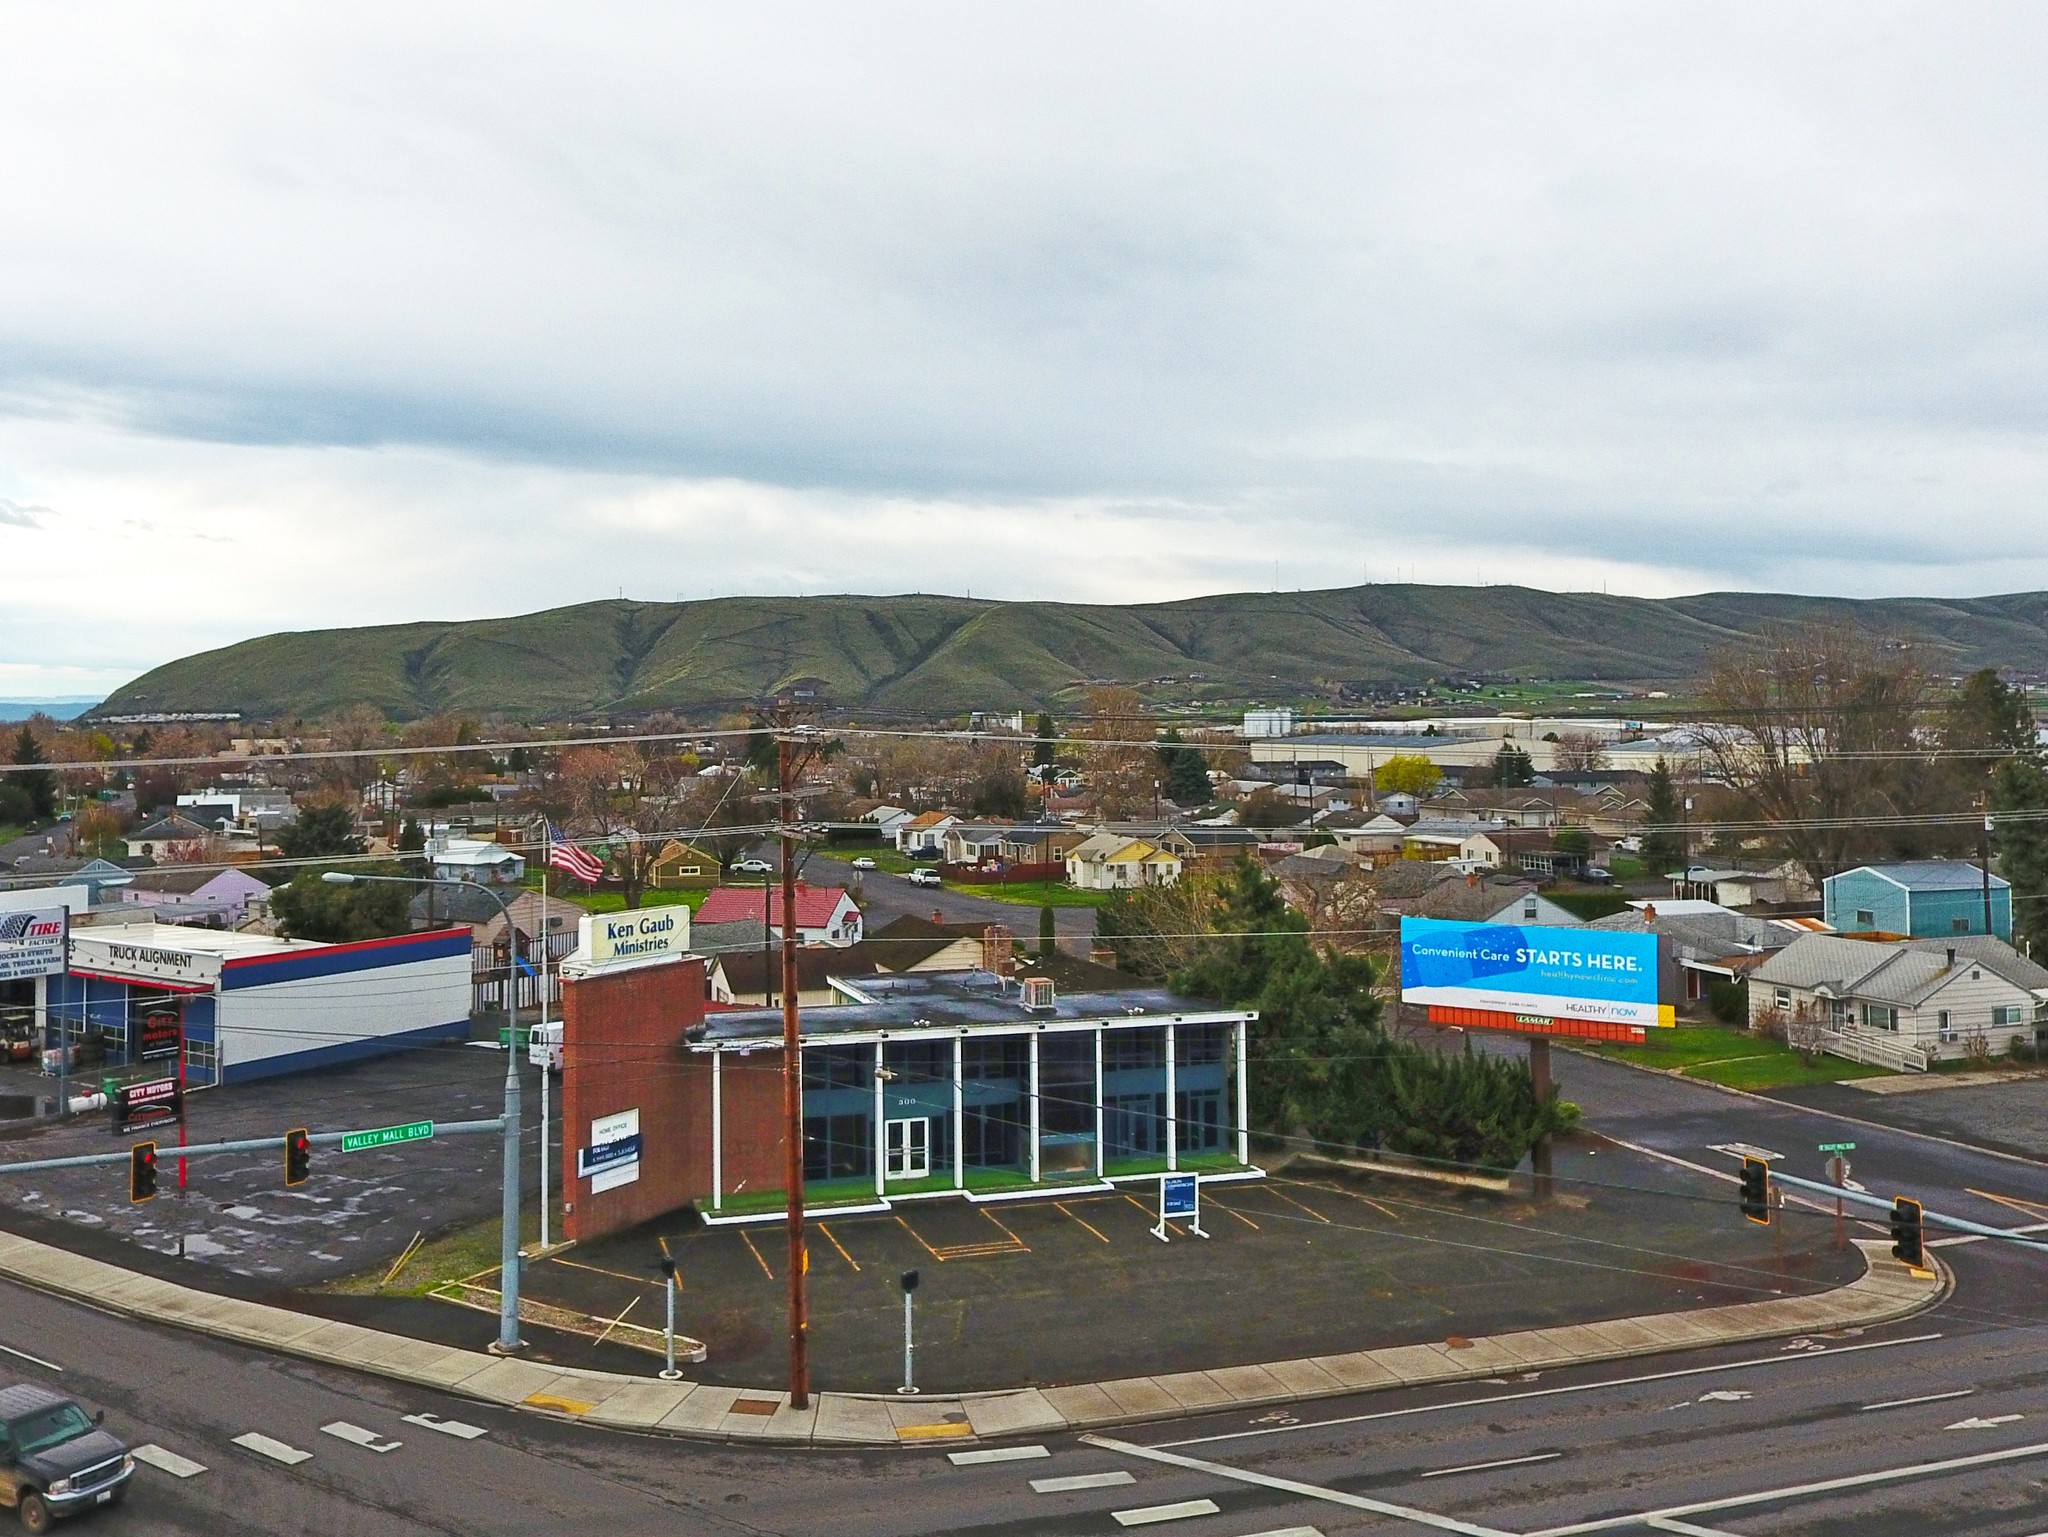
pixel 1052 301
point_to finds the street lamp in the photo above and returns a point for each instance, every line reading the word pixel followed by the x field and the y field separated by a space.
pixel 508 1341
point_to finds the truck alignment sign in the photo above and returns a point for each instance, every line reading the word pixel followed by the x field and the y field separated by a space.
pixel 1571 974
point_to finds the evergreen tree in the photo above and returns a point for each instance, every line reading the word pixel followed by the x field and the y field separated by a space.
pixel 309 908
pixel 39 786
pixel 1512 768
pixel 1663 844
pixel 1048 929
pixel 318 831
pixel 1184 771
pixel 1989 714
pixel 1044 750
pixel 2020 784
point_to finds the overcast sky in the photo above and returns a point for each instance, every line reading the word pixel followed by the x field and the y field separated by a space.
pixel 356 314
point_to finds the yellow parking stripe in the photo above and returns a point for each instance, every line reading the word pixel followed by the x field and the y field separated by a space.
pixel 839 1246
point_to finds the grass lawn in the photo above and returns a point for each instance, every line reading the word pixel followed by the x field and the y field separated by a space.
pixel 1034 894
pixel 1626 867
pixel 1732 1058
pixel 453 1256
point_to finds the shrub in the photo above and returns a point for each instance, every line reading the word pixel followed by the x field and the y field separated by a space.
pixel 1729 1001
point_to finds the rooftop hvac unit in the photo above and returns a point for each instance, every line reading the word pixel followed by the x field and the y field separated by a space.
pixel 1038 992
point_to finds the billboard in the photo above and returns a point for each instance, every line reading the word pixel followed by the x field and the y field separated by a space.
pixel 1590 975
pixel 32 942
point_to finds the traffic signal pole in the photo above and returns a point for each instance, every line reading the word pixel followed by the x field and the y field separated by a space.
pixel 241 1145
pixel 1932 1218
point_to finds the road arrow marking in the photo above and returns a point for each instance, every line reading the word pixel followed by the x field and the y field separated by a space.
pixel 1975 1423
pixel 168 1462
pixel 446 1427
pixel 276 1451
pixel 1725 1396
pixel 355 1435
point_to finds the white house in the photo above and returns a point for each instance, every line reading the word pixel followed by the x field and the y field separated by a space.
pixel 887 819
pixel 1936 995
pixel 1115 862
pixel 924 834
pixel 474 859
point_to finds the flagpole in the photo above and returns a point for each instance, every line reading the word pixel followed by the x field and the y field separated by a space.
pixel 548 854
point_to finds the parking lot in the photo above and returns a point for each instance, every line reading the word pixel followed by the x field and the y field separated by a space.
pixel 1078 1289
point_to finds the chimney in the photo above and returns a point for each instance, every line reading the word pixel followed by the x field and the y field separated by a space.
pixel 937 916
pixel 1951 956
pixel 1650 914
pixel 1471 877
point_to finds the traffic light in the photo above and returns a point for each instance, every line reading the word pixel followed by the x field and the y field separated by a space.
pixel 298 1156
pixel 1756 1190
pixel 1906 1235
pixel 142 1172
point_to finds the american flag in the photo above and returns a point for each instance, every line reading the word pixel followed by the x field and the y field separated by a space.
pixel 581 863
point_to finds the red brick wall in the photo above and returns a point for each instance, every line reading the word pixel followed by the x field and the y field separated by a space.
pixel 750 1096
pixel 622 1049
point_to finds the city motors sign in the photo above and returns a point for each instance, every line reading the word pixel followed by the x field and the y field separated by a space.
pixel 643 934
pixel 32 942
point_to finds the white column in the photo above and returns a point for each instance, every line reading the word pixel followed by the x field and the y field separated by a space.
pixel 959 1117
pixel 42 1012
pixel 1172 1120
pixel 1100 1152
pixel 1034 1107
pixel 718 1129
pixel 881 1140
pixel 1244 1101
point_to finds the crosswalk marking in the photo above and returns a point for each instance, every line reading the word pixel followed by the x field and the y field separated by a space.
pixel 997 1454
pixel 355 1435
pixel 446 1427
pixel 276 1451
pixel 1075 1481
pixel 168 1462
pixel 1179 1511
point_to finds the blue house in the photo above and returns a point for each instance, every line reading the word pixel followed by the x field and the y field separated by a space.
pixel 1926 898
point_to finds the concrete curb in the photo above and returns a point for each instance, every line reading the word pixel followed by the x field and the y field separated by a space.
pixel 1885 1292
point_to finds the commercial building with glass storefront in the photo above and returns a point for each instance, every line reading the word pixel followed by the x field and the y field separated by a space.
pixel 970 1082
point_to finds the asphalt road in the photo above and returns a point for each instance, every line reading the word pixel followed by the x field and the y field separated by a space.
pixel 883 896
pixel 1938 1423
pixel 1732 1429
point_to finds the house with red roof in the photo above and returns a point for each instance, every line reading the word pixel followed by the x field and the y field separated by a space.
pixel 825 915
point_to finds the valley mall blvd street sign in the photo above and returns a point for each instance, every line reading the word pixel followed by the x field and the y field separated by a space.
pixel 384 1136
pixel 1838 1147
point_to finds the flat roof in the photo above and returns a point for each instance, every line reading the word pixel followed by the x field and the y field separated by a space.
pixel 950 1000
pixel 194 941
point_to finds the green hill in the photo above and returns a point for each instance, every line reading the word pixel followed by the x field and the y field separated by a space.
pixel 937 655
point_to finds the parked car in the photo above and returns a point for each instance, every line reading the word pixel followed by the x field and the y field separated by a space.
pixel 863 863
pixel 55 1459
pixel 925 878
pixel 754 867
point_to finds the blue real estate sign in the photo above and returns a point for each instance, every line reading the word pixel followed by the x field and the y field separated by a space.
pixel 1551 973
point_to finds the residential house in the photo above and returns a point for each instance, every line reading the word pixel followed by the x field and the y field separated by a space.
pixel 911 943
pixel 250 810
pixel 475 860
pixel 1924 898
pixel 682 866
pixel 102 879
pixel 1114 862
pixel 886 819
pixel 1937 997
pixel 1535 853
pixel 1379 837
pixel 223 898
pixel 752 977
pixel 1010 843
pixel 825 915
pixel 1399 803
pixel 924 833
pixel 1705 942
pixel 169 838
pixel 1477 898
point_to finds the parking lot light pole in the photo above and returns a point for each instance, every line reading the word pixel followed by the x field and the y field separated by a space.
pixel 508 1341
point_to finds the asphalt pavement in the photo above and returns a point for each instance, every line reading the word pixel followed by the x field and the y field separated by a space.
pixel 883 896
pixel 1937 1420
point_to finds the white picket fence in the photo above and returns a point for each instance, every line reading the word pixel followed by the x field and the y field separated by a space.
pixel 1858 1046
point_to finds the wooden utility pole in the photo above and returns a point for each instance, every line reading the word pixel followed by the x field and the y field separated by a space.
pixel 1539 1080
pixel 792 1077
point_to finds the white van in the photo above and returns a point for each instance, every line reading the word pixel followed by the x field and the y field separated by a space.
pixel 544 1046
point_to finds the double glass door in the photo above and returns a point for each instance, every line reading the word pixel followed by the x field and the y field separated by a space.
pixel 907 1148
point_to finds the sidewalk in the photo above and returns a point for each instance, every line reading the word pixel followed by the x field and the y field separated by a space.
pixel 1885 1292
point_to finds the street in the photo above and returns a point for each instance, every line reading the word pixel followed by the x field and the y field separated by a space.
pixel 1714 1439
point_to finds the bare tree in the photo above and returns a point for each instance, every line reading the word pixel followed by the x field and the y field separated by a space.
pixel 1343 911
pixel 1794 722
pixel 1121 776
pixel 1579 752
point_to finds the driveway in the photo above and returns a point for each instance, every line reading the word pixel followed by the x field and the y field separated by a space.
pixel 883 896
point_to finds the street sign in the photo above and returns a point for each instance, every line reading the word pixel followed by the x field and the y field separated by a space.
pixel 1838 1170
pixel 1838 1147
pixel 385 1136
pixel 1180 1198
